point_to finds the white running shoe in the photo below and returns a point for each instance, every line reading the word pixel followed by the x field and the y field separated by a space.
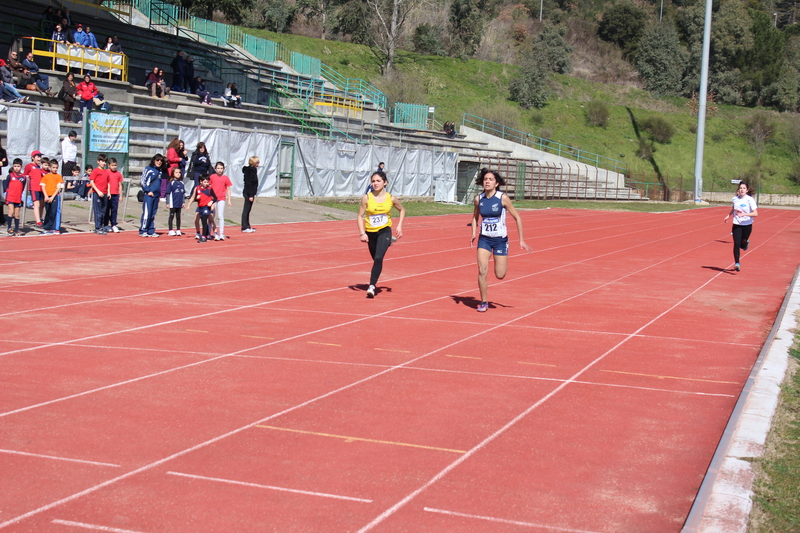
pixel 115 229
pixel 178 233
pixel 171 233
pixel 371 291
pixel 197 236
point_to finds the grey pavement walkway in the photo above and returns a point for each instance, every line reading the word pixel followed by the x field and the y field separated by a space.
pixel 76 215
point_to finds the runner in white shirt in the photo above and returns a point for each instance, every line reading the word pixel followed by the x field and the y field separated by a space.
pixel 743 210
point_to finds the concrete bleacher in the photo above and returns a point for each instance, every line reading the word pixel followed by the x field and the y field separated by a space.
pixel 155 121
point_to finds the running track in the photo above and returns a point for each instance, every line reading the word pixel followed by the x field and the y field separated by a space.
pixel 158 385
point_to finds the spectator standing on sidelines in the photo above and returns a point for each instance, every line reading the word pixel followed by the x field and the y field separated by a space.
pixel 250 190
pixel 173 161
pixel 87 91
pixel 91 40
pixel 69 153
pixel 14 190
pixel 99 184
pixel 151 186
pixel 70 93
pixel 33 172
pixel 115 180
pixel 178 71
pixel 201 163
pixel 79 36
pixel 52 183
pixel 222 189
pixel 176 194
pixel 188 77
pixel 59 35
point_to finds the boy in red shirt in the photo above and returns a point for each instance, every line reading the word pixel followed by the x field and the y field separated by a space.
pixel 14 189
pixel 222 188
pixel 206 199
pixel 51 184
pixel 33 171
pixel 114 184
pixel 99 185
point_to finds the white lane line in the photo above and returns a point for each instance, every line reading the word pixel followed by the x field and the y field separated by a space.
pixel 94 526
pixel 402 503
pixel 354 384
pixel 15 452
pixel 50 402
pixel 509 522
pixel 270 487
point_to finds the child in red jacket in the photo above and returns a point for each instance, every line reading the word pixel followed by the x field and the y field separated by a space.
pixel 15 186
pixel 86 91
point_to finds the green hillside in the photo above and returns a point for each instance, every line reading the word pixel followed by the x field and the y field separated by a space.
pixel 456 86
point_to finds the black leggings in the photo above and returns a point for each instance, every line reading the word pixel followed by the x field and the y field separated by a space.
pixel 248 204
pixel 379 242
pixel 741 234
pixel 204 221
pixel 175 212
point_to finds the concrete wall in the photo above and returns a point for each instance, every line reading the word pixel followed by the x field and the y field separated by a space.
pixel 761 199
pixel 520 151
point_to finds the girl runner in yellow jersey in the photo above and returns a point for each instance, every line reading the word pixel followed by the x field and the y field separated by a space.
pixel 375 224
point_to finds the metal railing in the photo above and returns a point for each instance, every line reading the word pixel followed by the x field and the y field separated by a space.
pixel 411 116
pixel 101 62
pixel 544 145
pixel 354 86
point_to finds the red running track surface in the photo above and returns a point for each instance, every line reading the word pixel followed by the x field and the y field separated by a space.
pixel 165 386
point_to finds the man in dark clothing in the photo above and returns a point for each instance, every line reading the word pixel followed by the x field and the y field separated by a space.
pixel 178 71
pixel 189 76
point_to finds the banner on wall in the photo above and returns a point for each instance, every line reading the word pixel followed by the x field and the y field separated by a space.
pixel 108 132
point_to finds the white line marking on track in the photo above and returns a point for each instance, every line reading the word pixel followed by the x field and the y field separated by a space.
pixel 14 452
pixel 352 385
pixel 270 487
pixel 94 527
pixel 509 522
pixel 393 509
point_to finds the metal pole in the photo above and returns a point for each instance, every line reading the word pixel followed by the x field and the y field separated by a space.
pixel 38 125
pixel 701 109
pixel 164 141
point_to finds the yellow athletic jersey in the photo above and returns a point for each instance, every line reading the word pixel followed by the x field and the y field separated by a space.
pixel 378 214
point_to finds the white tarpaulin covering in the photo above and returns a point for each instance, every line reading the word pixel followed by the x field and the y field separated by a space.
pixel 334 168
pixel 234 148
pixel 22 121
pixel 88 58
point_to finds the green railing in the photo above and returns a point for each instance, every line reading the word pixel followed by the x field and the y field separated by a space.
pixel 544 145
pixel 411 116
pixel 354 86
pixel 162 15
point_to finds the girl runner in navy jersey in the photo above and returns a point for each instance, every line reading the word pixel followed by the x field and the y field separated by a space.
pixel 744 208
pixel 375 224
pixel 491 206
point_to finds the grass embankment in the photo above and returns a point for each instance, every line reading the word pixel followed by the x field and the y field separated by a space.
pixel 454 87
pixel 776 506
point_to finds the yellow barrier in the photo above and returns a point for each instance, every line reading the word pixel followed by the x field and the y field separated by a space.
pixel 101 62
pixel 339 106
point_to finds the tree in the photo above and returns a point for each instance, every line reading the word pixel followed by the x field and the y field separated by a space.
pixel 552 47
pixel 660 59
pixel 353 18
pixel 390 17
pixel 530 89
pixel 428 40
pixel 234 10
pixel 622 25
pixel 762 64
pixel 466 23
pixel 272 15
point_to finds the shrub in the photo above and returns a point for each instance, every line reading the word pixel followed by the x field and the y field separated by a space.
pixel 537 118
pixel 659 128
pixel 646 148
pixel 597 113
pixel 428 40
pixel 794 174
pixel 530 89
pixel 760 130
pixel 693 128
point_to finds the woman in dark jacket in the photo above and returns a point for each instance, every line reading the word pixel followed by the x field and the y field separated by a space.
pixel 201 163
pixel 250 190
pixel 69 96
